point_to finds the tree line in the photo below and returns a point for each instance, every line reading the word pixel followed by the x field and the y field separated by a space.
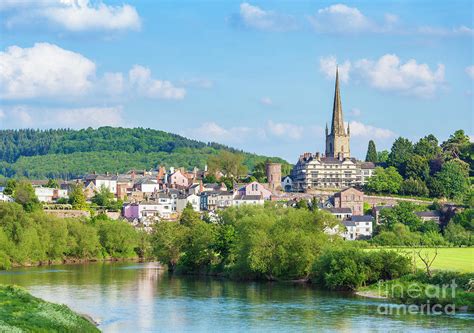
pixel 425 168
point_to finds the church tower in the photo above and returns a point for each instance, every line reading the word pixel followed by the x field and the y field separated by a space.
pixel 337 142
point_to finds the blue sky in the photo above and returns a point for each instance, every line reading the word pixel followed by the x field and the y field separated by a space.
pixel 255 75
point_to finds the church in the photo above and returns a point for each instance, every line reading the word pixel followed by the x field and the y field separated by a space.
pixel 336 169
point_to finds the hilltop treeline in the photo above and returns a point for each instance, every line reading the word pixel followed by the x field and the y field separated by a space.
pixel 65 153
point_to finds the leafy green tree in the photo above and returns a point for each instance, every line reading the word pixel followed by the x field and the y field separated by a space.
pixel 385 181
pixel 168 241
pixel 230 164
pixel 198 251
pixel 371 152
pixel 457 146
pixel 259 172
pixel 465 219
pixel 382 156
pixel 77 198
pixel 118 238
pixel 401 151
pixel 52 183
pixel 402 213
pixel 24 194
pixel 83 240
pixel 427 147
pixel 189 216
pixel 417 167
pixel 103 198
pixel 414 186
pixel 10 187
pixel 457 235
pixel 451 182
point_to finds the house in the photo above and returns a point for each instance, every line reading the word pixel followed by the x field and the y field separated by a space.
pixel 48 194
pixel 365 171
pixel 184 199
pixel 210 187
pixel 358 227
pixel 147 185
pixel 350 198
pixel 216 200
pixel 339 213
pixel 150 210
pixel 108 181
pixel 178 180
pixel 254 189
pixel 431 215
pixel 5 198
pixel 243 199
pixel 287 184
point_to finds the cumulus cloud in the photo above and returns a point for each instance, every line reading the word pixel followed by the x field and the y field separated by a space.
pixel 267 101
pixel 211 131
pixel 285 130
pixel 445 32
pixel 25 117
pixel 359 129
pixel 75 15
pixel 390 73
pixel 30 72
pixel 327 65
pixel 340 18
pixel 141 80
pixel 470 71
pixel 257 18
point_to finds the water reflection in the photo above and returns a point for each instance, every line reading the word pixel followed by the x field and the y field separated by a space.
pixel 143 298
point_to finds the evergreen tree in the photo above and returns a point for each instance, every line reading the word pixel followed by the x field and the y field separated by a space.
pixel 371 152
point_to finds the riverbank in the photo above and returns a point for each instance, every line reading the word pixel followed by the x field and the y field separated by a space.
pixel 72 261
pixel 20 311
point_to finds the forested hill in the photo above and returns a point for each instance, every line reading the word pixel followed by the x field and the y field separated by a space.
pixel 67 153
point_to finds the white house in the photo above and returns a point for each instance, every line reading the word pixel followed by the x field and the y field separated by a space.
pixel 240 200
pixel 107 181
pixel 48 194
pixel 148 185
pixel 340 213
pixel 5 198
pixel 358 227
pixel 184 199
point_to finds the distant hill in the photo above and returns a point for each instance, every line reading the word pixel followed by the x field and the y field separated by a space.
pixel 66 153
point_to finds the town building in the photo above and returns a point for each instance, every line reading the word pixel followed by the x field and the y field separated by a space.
pixel 273 172
pixel 287 184
pixel 358 227
pixel 48 194
pixel 340 213
pixel 350 198
pixel 430 215
pixel 243 199
pixel 336 168
pixel 253 188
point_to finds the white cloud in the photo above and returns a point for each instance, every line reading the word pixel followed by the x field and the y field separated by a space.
pixel 260 19
pixel 210 131
pixel 28 73
pixel 266 101
pixel 445 32
pixel 285 130
pixel 141 80
pixel 44 70
pixel 2 114
pixel 470 71
pixel 327 65
pixel 389 73
pixel 197 82
pixel 340 18
pixel 75 15
pixel 359 129
pixel 26 117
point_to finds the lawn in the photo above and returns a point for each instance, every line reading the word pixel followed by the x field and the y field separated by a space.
pixel 450 259
pixel 21 312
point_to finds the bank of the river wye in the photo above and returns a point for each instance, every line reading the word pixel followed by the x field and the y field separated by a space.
pixel 21 312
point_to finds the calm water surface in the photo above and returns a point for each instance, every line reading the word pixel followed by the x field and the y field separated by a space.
pixel 130 297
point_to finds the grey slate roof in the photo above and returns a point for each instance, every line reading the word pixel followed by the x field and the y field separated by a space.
pixel 430 213
pixel 362 218
pixel 339 210
pixel 349 223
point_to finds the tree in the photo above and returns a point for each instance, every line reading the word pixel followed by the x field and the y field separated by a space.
pixel 52 183
pixel 427 147
pixel 371 152
pixel 259 172
pixel 457 235
pixel 10 187
pixel 402 213
pixel 189 216
pixel 451 182
pixel 457 146
pixel 414 186
pixel 382 156
pixel 106 199
pixel 168 240
pixel 230 164
pixel 401 151
pixel 417 167
pixel 385 181
pixel 77 198
pixel 24 194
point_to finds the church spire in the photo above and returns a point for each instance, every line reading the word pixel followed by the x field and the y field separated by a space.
pixel 337 125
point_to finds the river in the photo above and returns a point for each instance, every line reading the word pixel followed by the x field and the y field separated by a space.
pixel 132 297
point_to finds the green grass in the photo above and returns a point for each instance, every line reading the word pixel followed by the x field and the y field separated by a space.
pixel 21 312
pixel 449 259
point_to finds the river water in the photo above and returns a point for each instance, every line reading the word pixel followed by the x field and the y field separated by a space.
pixel 131 297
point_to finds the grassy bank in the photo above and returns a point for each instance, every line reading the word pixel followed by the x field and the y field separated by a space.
pixel 21 312
pixel 448 259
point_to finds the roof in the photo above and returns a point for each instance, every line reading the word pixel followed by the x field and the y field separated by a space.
pixel 339 210
pixel 430 213
pixel 362 218
pixel 248 197
pixel 345 190
pixel 367 165
pixel 379 208
pixel 349 223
